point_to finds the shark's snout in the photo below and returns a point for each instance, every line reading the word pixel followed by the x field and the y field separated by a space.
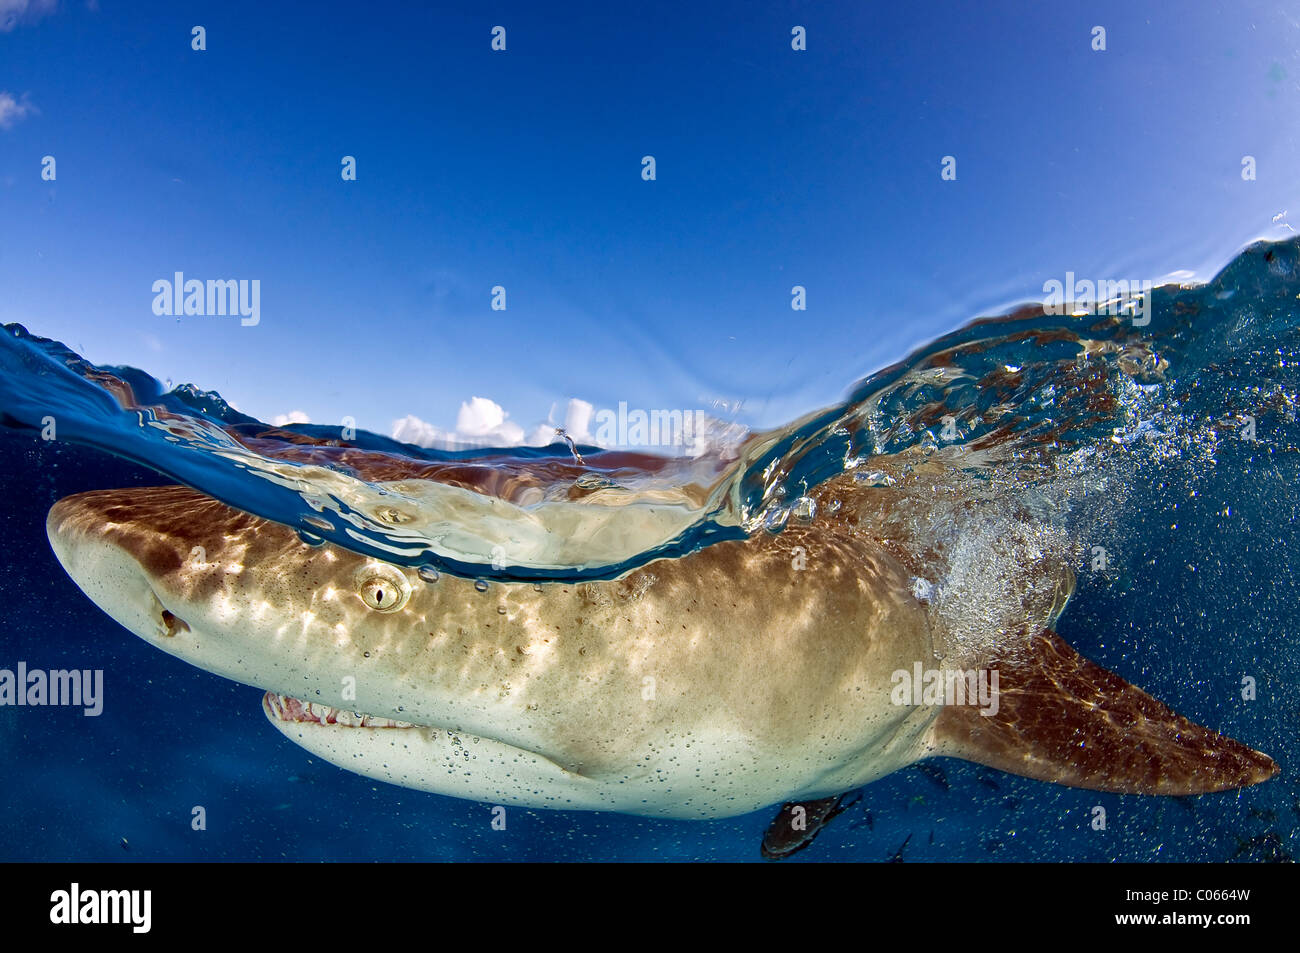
pixel 114 559
pixel 233 594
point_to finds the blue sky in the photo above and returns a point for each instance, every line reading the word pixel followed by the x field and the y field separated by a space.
pixel 523 168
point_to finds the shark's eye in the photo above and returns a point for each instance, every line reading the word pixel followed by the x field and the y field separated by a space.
pixel 383 588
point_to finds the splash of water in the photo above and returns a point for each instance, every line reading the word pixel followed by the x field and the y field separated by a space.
pixel 1013 440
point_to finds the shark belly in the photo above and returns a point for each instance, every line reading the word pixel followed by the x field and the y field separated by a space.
pixel 715 775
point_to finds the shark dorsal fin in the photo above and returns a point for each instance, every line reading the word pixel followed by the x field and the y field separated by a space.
pixel 1064 719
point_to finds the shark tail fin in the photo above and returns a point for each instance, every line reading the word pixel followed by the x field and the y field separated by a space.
pixel 1064 719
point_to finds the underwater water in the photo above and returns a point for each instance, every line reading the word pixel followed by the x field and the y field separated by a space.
pixel 1157 458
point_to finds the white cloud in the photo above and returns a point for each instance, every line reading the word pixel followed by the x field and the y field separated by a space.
pixel 411 429
pixel 13 11
pixel 12 110
pixel 292 417
pixel 479 417
pixel 577 420
pixel 577 424
pixel 480 423
pixel 484 423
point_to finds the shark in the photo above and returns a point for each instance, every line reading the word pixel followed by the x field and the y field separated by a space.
pixel 748 674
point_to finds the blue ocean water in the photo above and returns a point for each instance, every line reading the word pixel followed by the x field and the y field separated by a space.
pixel 1172 446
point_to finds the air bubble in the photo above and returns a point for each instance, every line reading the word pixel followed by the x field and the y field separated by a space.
pixel 775 518
pixel 428 573
pixel 481 585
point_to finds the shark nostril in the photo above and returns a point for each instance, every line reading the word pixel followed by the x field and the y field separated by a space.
pixel 173 624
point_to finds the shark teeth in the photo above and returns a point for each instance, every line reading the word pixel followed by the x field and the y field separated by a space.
pixel 285 708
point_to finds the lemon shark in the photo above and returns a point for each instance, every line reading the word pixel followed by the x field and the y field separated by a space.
pixel 753 672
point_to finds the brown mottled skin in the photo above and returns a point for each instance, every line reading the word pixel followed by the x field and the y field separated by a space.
pixel 781 661
pixel 768 659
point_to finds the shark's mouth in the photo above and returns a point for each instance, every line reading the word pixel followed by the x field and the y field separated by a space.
pixel 284 708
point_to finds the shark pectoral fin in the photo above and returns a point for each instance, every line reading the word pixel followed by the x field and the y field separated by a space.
pixel 797 824
pixel 1061 718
